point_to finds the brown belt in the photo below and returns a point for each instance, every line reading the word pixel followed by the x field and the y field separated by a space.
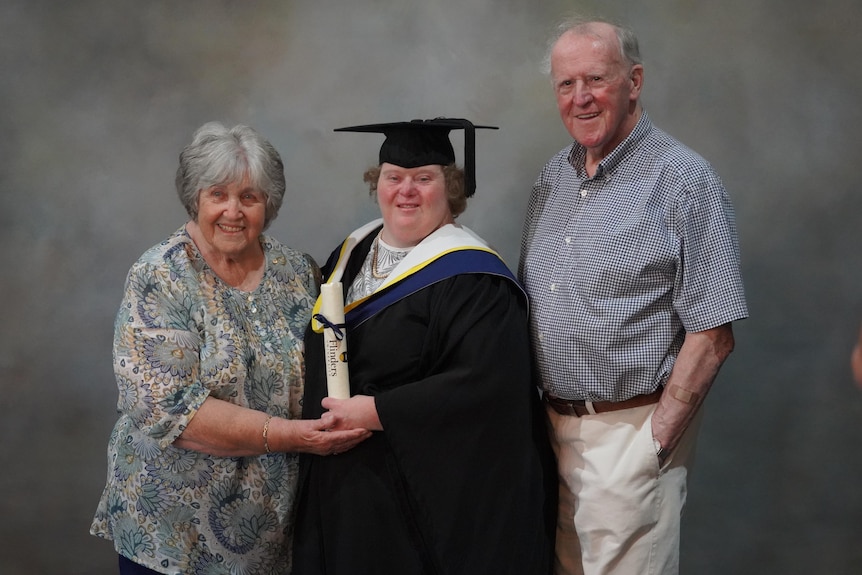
pixel 579 407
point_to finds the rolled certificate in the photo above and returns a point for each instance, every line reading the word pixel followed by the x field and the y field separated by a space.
pixel 334 340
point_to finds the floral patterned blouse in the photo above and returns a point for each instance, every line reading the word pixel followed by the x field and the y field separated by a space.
pixel 183 335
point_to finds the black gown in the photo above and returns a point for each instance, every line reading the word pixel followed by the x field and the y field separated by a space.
pixel 462 479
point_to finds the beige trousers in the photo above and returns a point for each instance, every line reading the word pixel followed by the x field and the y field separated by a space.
pixel 619 511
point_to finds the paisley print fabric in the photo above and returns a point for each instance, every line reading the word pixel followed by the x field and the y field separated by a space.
pixel 183 335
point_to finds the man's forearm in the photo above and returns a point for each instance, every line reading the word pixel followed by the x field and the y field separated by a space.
pixel 701 356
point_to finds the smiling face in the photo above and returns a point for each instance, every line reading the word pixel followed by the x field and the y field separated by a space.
pixel 413 203
pixel 230 219
pixel 597 91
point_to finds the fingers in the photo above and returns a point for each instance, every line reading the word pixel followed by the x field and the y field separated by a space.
pixel 327 421
pixel 337 442
pixel 330 402
pixel 335 415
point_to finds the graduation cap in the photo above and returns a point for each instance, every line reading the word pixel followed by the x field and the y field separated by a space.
pixel 425 142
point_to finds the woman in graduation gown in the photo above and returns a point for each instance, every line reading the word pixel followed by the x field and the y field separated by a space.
pixel 457 477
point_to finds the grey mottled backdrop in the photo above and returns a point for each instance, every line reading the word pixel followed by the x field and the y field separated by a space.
pixel 97 98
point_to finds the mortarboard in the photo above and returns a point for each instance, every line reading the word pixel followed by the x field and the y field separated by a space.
pixel 425 142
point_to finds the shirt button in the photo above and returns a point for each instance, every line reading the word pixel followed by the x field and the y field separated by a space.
pixel 553 287
pixel 583 193
pixel 568 240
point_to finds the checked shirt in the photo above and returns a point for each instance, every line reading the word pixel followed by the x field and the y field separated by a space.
pixel 619 266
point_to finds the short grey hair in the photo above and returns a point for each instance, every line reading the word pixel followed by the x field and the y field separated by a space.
pixel 626 38
pixel 218 155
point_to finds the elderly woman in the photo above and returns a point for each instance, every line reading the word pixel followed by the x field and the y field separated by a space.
pixel 458 476
pixel 208 357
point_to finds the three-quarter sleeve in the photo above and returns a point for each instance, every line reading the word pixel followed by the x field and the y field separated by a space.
pixel 157 354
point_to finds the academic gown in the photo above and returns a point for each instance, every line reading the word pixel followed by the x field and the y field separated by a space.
pixel 462 479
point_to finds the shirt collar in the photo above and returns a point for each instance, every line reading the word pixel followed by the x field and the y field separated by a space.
pixel 578 155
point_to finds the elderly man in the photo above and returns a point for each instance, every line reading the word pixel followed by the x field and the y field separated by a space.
pixel 631 260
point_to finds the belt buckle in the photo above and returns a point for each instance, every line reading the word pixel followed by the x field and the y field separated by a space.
pixel 562 406
pixel 569 407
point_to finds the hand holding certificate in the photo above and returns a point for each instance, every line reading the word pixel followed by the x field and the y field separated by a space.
pixel 334 340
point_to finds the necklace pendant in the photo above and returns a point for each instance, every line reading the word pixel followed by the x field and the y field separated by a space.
pixel 374 255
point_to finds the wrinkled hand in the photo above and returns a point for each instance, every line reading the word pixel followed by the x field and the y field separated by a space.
pixel 325 436
pixel 358 411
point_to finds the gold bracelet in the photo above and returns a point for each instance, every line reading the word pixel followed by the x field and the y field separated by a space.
pixel 265 433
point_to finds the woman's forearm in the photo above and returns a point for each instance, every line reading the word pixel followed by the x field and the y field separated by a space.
pixel 226 430
pixel 223 429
